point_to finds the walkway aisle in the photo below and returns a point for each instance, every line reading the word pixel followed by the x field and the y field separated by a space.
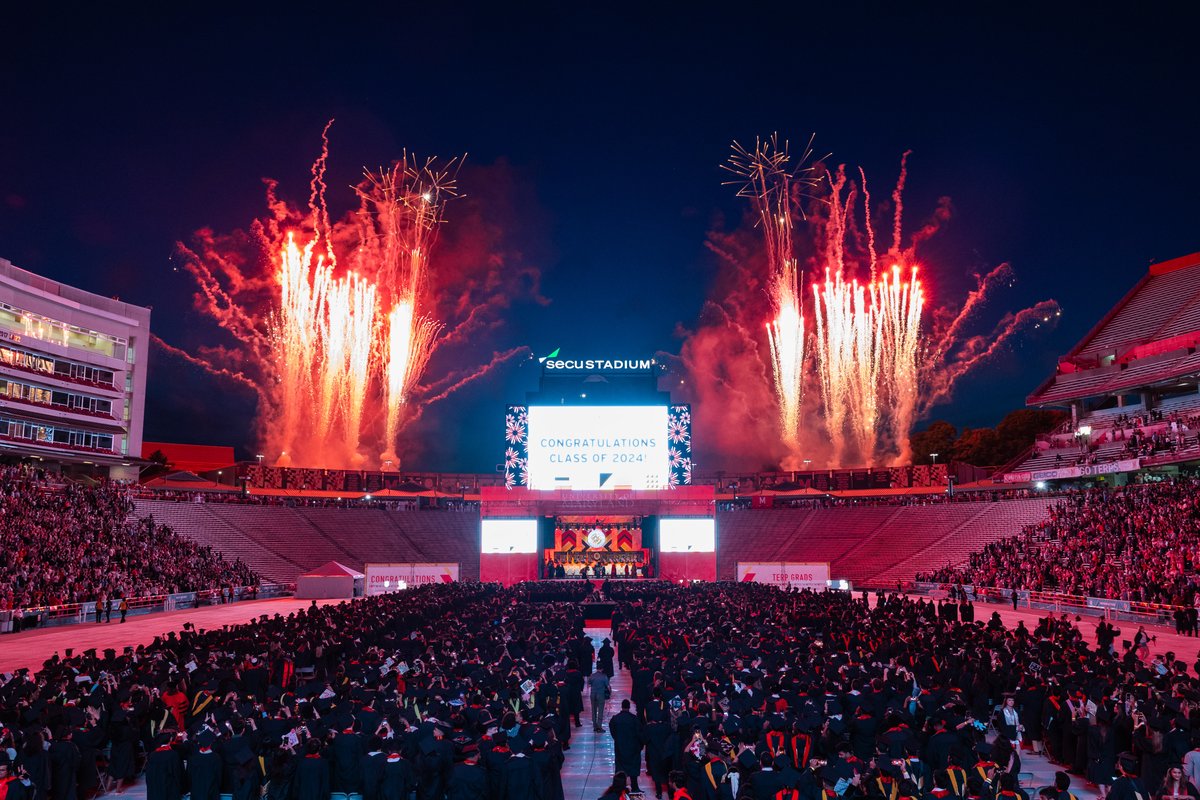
pixel 588 769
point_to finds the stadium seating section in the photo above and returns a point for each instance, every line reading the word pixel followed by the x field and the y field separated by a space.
pixel 74 543
pixel 1110 440
pixel 866 544
pixel 281 542
pixel 870 545
pixel 1139 544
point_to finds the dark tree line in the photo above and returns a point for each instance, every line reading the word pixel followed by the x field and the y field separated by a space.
pixel 983 447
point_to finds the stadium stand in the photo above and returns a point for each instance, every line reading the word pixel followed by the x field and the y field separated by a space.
pixel 280 542
pixel 1139 361
pixel 1140 543
pixel 870 545
pixel 71 543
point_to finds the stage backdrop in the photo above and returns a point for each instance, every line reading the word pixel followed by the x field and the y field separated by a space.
pixel 785 574
pixel 598 540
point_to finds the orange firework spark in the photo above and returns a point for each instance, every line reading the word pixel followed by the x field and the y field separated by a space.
pixel 877 368
pixel 868 337
pixel 400 212
pixel 334 340
pixel 898 305
pixel 766 177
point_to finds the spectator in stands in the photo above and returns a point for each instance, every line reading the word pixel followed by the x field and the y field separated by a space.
pixel 75 544
pixel 1140 543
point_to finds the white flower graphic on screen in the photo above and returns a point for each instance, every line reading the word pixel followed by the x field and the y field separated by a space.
pixel 677 431
pixel 674 457
pixel 514 430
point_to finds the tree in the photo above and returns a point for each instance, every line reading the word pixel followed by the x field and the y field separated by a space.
pixel 1019 428
pixel 158 465
pixel 938 438
pixel 979 446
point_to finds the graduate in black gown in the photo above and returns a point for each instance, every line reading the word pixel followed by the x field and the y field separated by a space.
pixel 204 769
pixel 164 770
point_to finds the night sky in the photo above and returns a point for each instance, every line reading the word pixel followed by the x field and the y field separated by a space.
pixel 1069 145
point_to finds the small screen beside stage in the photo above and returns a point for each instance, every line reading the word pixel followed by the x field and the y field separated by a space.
pixel 598 447
pixel 687 535
pixel 509 536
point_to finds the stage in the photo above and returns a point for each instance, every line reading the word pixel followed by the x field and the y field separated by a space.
pixel 665 534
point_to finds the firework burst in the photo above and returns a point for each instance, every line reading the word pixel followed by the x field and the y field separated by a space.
pixel 400 212
pixel 768 176
pixel 878 363
pixel 340 352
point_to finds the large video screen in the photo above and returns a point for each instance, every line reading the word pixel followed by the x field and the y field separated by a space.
pixel 508 536
pixel 687 535
pixel 598 447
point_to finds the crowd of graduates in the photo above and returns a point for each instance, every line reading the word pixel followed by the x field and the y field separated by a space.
pixel 73 543
pixel 443 689
pixel 744 691
pixel 471 692
pixel 1140 543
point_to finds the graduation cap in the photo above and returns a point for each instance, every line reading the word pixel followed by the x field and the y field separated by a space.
pixel 243 755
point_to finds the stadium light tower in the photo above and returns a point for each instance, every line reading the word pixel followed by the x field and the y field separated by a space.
pixel 260 458
pixel 934 457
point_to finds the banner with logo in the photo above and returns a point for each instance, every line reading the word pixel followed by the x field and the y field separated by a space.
pixel 785 574
pixel 383 578
pixel 1085 471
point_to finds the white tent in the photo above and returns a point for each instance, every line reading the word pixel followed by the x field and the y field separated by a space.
pixel 328 581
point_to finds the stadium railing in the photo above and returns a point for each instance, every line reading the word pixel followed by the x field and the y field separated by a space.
pixel 19 619
pixel 1127 610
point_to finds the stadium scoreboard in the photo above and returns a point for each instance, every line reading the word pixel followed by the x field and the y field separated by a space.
pixel 589 447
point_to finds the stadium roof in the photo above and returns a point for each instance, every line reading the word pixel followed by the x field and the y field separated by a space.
pixel 1150 338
